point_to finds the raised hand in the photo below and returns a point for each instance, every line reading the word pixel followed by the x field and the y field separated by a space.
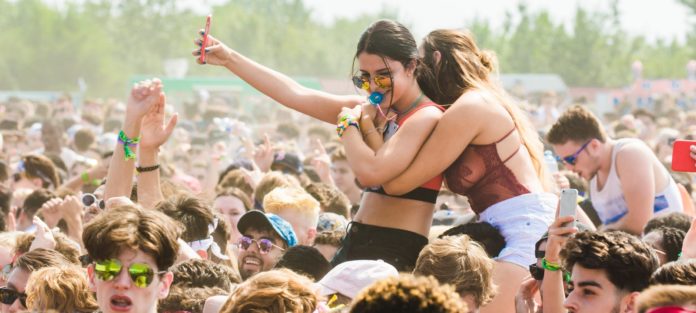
pixel 321 162
pixel 524 300
pixel 154 132
pixel 354 112
pixel 217 53
pixel 43 237
pixel 51 211
pixel 144 95
pixel 263 154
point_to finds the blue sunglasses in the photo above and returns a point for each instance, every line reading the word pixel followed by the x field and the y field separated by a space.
pixel 571 159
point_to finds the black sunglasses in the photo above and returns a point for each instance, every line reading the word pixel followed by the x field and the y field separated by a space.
pixel 9 296
pixel 537 272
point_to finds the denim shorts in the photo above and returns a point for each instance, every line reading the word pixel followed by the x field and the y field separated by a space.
pixel 397 247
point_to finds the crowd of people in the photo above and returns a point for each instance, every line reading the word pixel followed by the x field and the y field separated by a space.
pixel 435 195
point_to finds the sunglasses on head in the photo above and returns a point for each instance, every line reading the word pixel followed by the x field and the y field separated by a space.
pixel 141 274
pixel 363 81
pixel 571 159
pixel 9 296
pixel 264 245
pixel 89 199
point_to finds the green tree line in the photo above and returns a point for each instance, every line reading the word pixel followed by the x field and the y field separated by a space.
pixel 106 42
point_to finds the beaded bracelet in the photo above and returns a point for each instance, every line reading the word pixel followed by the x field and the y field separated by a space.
pixel 345 122
pixel 139 169
pixel 127 144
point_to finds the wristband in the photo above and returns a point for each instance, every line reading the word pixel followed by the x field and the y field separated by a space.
pixel 127 144
pixel 345 122
pixel 87 181
pixel 547 265
pixel 147 169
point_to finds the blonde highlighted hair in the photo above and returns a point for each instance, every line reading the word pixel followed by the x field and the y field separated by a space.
pixel 64 289
pixel 665 295
pixel 273 180
pixel 463 67
pixel 295 201
pixel 276 291
pixel 461 262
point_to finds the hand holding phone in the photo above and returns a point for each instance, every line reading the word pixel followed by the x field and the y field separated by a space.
pixel 568 204
pixel 205 39
pixel 681 156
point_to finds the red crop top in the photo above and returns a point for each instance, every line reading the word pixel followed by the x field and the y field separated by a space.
pixel 482 176
pixel 427 192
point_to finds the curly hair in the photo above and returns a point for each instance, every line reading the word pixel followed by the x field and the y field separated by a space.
pixel 676 220
pixel 131 227
pixel 331 238
pixel 410 294
pixel 275 291
pixel 330 198
pixel 188 299
pixel 64 289
pixel 198 273
pixel 627 261
pixel 675 273
pixel 671 241
pixel 577 124
pixel 461 262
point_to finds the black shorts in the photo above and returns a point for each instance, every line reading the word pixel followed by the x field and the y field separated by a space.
pixel 397 247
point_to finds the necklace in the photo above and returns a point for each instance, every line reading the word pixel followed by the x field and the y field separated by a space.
pixel 410 107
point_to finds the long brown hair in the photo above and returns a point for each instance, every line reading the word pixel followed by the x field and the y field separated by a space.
pixel 463 67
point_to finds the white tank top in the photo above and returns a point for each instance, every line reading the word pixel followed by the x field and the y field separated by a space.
pixel 610 203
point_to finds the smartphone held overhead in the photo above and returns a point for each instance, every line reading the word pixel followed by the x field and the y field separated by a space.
pixel 205 38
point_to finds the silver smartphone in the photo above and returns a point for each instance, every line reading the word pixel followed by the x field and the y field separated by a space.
pixel 569 203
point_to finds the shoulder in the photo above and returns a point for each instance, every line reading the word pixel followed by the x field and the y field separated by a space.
pixel 633 154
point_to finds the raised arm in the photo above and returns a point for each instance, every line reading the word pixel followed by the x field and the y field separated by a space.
pixel 442 148
pixel 154 134
pixel 394 156
pixel 119 180
pixel 283 89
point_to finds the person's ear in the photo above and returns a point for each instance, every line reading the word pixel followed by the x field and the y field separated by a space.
pixel 165 283
pixel 90 277
pixel 628 302
pixel 437 56
pixel 311 234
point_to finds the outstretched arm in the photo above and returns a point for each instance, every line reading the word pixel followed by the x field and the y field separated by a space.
pixel 143 97
pixel 283 89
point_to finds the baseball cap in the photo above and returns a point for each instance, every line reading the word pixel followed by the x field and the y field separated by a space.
pixel 349 278
pixel 286 162
pixel 281 226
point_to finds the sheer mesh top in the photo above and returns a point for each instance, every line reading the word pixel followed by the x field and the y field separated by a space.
pixel 482 176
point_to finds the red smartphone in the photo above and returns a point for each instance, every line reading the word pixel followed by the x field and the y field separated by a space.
pixel 681 156
pixel 205 39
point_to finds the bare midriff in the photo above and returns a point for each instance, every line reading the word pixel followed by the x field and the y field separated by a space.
pixel 405 214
